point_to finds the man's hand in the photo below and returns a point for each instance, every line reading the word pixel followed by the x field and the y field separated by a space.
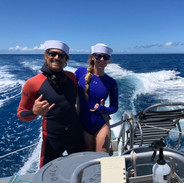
pixel 41 107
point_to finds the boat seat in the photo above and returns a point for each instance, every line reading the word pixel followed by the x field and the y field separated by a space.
pixel 153 123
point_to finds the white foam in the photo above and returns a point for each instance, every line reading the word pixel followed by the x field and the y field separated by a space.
pixel 77 64
pixel 8 83
pixel 32 164
pixel 34 65
pixel 115 71
pixel 69 68
pixel 164 84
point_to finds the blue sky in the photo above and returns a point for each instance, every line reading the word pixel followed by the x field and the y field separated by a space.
pixel 128 26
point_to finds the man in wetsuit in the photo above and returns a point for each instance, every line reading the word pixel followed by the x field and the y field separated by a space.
pixel 52 94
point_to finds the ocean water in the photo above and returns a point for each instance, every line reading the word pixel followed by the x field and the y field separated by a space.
pixel 143 80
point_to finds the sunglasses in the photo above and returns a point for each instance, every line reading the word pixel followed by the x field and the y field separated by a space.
pixel 54 53
pixel 105 57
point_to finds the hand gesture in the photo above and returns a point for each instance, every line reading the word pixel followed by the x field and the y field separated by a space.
pixel 41 107
pixel 97 105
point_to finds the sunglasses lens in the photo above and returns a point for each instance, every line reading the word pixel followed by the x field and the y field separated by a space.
pixel 105 57
pixel 62 55
pixel 53 54
pixel 98 57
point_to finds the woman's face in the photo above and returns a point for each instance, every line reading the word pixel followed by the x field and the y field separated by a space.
pixel 55 59
pixel 101 60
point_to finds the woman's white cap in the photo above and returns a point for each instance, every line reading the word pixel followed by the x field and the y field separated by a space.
pixel 101 48
pixel 57 45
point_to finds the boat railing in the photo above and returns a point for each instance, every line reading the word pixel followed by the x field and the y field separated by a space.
pixel 153 123
pixel 173 157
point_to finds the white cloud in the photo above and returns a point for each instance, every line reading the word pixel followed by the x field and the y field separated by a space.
pixel 168 44
pixel 41 47
pixel 15 48
pixel 26 48
pixel 19 48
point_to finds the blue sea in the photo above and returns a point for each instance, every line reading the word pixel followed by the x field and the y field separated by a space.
pixel 143 80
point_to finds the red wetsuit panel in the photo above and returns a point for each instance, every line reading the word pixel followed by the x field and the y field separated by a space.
pixel 29 95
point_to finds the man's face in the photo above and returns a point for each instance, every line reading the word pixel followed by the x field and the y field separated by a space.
pixel 56 59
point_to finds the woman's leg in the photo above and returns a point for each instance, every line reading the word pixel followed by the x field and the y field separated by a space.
pixel 103 139
pixel 89 141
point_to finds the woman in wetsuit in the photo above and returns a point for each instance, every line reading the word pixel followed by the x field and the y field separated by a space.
pixel 95 86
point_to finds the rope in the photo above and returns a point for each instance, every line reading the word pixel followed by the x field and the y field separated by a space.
pixel 18 150
pixel 160 128
pixel 17 178
pixel 135 116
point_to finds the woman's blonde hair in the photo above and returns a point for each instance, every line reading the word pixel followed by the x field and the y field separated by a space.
pixel 90 71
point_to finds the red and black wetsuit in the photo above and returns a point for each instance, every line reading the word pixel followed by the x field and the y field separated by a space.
pixel 60 128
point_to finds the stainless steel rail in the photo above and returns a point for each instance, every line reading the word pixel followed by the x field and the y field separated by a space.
pixel 177 157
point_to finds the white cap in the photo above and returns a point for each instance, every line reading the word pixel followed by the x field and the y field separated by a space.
pixel 101 48
pixel 56 44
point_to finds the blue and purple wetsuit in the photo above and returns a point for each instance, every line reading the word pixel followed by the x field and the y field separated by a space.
pixel 99 88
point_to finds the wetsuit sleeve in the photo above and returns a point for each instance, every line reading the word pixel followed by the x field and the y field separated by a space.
pixel 113 97
pixel 80 72
pixel 28 97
